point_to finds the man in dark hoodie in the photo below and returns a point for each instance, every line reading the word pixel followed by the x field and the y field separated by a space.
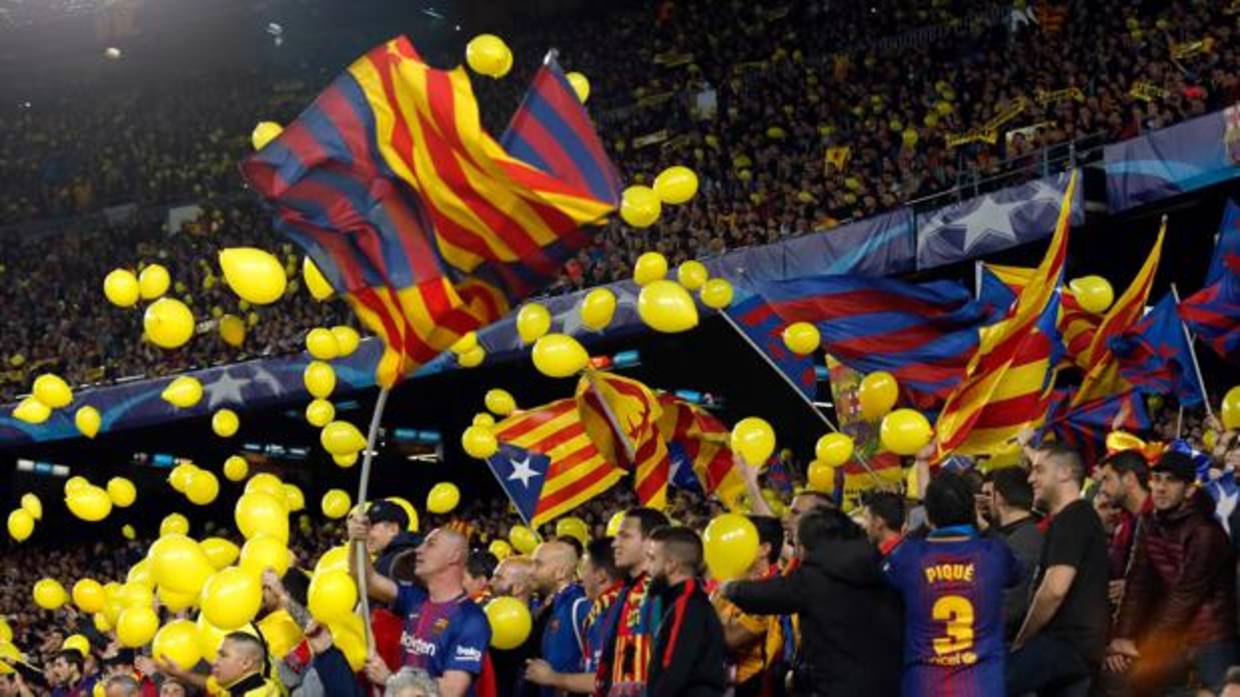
pixel 1179 607
pixel 837 588
pixel 687 656
pixel 388 536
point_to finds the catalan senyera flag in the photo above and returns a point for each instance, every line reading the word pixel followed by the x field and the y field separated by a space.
pixel 1076 324
pixel 547 463
pixel 621 416
pixel 698 440
pixel 425 224
pixel 1102 369
pixel 1007 384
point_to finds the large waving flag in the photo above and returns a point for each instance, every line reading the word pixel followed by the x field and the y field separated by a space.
pixel 698 445
pixel 1213 315
pixel 922 334
pixel 1154 356
pixel 547 463
pixel 621 416
pixel 1226 259
pixel 1001 284
pixel 755 316
pixel 426 225
pixel 1084 427
pixel 1007 384
pixel 1102 370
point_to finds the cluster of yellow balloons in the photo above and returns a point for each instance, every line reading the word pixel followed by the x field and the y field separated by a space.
pixel 487 54
pixel 1093 293
pixel 21 520
pixel 641 206
pixel 469 351
pixel 199 486
pixel 730 545
pixel 49 392
pixel 87 501
pixel 443 498
pixel 343 440
pixel 754 440
pixel 326 344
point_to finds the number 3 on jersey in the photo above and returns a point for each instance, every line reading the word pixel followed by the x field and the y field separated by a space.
pixel 956 612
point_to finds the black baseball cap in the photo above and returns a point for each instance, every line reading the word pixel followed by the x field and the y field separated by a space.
pixel 1177 465
pixel 384 511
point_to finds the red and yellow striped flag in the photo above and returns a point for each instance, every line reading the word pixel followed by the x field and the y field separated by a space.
pixel 1007 383
pixel 703 442
pixel 1076 324
pixel 621 415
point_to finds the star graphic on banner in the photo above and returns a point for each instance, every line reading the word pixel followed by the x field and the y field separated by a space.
pixel 1225 506
pixel 522 471
pixel 990 211
pixel 225 390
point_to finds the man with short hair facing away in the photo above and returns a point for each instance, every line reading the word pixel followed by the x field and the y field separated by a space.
pixel 1011 507
pixel 755 642
pixel 564 608
pixel 122 686
pixel 239 667
pixel 687 657
pixel 444 632
pixel 1064 635
pixel 514 577
pixel 882 516
pixel 1124 477
pixel 630 622
pixel 952 583
pixel 1179 610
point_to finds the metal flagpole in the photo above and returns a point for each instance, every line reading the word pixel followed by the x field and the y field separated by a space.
pixel 823 417
pixel 359 548
pixel 1192 351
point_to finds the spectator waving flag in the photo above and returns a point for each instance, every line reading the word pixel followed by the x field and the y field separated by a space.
pixel 1154 356
pixel 621 415
pixel 1226 259
pixel 922 334
pixel 547 464
pixel 1213 315
pixel 426 225
pixel 1006 386
pixel 765 328
pixel 699 443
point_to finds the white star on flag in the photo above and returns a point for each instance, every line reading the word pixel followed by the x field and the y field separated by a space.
pixel 522 471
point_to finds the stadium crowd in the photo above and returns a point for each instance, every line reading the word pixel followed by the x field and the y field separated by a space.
pixel 789 130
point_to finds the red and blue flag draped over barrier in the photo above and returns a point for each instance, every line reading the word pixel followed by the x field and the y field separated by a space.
pixel 428 226
pixel 1154 355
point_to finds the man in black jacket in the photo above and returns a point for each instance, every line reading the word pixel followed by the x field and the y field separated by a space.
pixel 851 623
pixel 387 536
pixel 687 657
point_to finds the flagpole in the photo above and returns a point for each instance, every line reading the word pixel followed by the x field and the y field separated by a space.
pixel 823 417
pixel 359 548
pixel 977 279
pixel 1192 351
pixel 1179 422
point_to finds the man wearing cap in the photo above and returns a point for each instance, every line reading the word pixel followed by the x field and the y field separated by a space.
pixel 1179 608
pixel 388 535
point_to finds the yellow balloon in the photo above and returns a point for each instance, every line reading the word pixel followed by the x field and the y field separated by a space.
pixel 510 622
pixel 203 488
pixel 134 594
pixel 472 358
pixel 320 412
pixel 236 468
pixel 650 267
pixel 102 624
pixel 259 513
pixel 409 511
pixel 500 548
pixel 523 539
pixel 443 497
pixel 574 527
pixel 136 626
pixel 322 344
pixel 91 504
pixel 177 641
pixel 597 309
pixel 336 503
pixel 341 438
pixel 345 461
pixel 49 594
pixel 262 552
pixel 174 524
pixel 640 206
pixel 730 544
pixel 821 477
pixel 128 532
pixel 349 636
pixel 254 275
pixel 834 449
pixel 120 287
pixel 6 634
pixel 334 559
pixel 21 525
pixel 499 402
pixel 75 484
pixel 264 132
pixel 877 395
pixel 692 274
pixel 716 294
pixel 487 54
pixel 754 439
pixel 181 475
pixel 219 552
pixel 905 431
pixel 32 504
pixel 225 423
pixel 533 321
pixel 332 595
pixel 666 306
pixel 613 523
pixel 1230 410
pixel 483 420
pixel 122 492
pixel 466 343
pixel 183 392
pixel 347 339
pixel 580 85
pixel 559 356
pixel 178 563
pixel 175 602
pixel 676 184
pixel 266 483
pixel 87 420
pixel 153 281
pixel 231 598
pixel 78 643
pixel 31 411
pixel 52 390
pixel 209 638
pixel 320 379
pixel 168 323
pixel 294 498
pixel 88 595
pixel 232 330
pixel 479 442
pixel 316 282
pixel 802 338
pixel 1094 293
